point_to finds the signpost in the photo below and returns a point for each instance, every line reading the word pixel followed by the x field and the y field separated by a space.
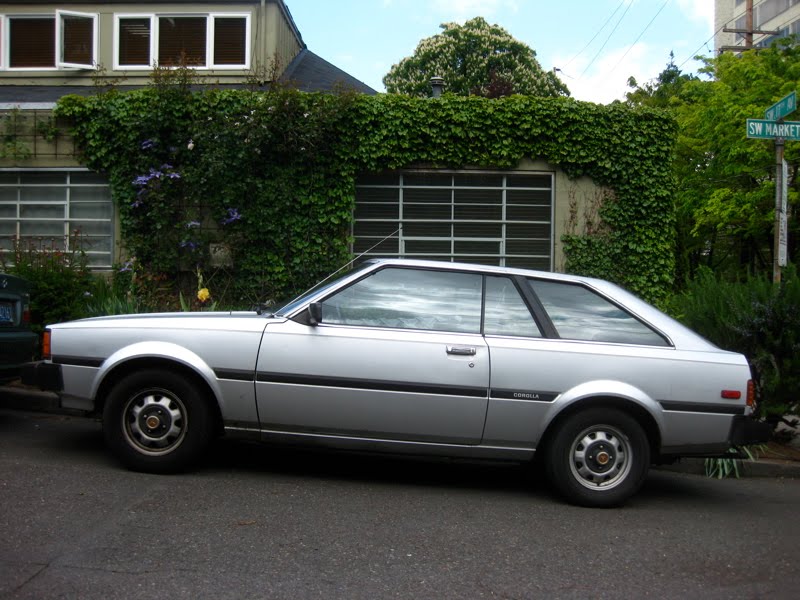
pixel 773 127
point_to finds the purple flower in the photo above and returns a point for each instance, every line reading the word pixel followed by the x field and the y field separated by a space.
pixel 189 244
pixel 174 175
pixel 128 266
pixel 192 224
pixel 148 144
pixel 136 203
pixel 233 215
pixel 143 180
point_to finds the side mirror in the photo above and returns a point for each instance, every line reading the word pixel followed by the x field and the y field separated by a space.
pixel 315 313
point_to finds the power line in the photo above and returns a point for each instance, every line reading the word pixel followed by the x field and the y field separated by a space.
pixel 594 37
pixel 627 8
pixel 640 36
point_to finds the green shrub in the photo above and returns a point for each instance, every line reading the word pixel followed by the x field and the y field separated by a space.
pixel 59 277
pixel 757 318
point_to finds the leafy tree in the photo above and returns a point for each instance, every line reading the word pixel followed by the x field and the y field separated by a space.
pixel 659 92
pixel 475 59
pixel 725 187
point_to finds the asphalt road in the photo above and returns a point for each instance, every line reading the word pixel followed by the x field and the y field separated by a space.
pixel 255 522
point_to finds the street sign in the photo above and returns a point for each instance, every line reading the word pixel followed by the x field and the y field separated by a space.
pixel 785 106
pixel 769 130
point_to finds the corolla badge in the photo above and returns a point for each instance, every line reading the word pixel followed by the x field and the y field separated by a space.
pixel 3 283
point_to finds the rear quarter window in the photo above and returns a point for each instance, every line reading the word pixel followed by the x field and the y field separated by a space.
pixel 578 313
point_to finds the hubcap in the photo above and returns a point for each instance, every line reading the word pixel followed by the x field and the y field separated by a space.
pixel 154 422
pixel 600 457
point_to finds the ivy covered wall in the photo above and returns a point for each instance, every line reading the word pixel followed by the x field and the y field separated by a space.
pixel 260 186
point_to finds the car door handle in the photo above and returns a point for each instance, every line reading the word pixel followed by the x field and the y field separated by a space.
pixel 461 350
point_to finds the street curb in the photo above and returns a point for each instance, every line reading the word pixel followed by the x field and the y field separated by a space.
pixel 19 397
pixel 22 398
pixel 763 467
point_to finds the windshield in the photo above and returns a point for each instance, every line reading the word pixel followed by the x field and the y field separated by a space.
pixel 323 285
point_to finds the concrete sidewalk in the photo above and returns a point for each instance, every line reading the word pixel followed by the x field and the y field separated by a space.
pixel 18 397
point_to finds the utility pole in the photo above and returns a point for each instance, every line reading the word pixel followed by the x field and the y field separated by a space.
pixel 747 32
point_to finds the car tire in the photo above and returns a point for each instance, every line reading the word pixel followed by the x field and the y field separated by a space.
pixel 598 457
pixel 157 421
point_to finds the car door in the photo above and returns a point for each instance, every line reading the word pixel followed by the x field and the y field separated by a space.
pixel 396 355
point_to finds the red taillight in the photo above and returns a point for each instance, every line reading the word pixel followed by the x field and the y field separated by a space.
pixel 26 315
pixel 46 344
pixel 751 394
pixel 731 394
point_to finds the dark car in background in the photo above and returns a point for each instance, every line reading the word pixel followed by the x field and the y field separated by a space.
pixel 17 341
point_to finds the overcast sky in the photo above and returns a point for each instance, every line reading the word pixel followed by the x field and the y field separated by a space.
pixel 596 44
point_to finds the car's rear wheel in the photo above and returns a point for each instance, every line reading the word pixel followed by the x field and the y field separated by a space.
pixel 598 457
pixel 157 421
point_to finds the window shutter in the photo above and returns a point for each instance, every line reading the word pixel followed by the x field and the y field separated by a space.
pixel 134 42
pixel 229 40
pixel 182 38
pixel 32 42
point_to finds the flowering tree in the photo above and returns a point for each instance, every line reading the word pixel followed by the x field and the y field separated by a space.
pixel 475 59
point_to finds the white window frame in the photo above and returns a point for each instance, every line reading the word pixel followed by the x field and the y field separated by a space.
pixel 6 60
pixel 62 64
pixel 212 17
pixel 210 30
pixel 116 63
pixel 3 42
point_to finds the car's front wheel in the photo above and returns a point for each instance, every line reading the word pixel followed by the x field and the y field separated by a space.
pixel 157 421
pixel 598 457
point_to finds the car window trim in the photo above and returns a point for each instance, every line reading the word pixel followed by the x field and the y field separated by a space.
pixel 535 305
pixel 599 293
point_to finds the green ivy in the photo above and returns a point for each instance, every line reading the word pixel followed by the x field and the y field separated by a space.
pixel 271 175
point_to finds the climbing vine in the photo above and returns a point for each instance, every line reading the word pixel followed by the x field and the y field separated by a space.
pixel 267 179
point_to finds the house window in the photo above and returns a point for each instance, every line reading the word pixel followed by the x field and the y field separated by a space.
pixel 204 41
pixel 134 41
pixel 488 218
pixel 31 42
pixel 46 206
pixel 76 39
pixel 182 40
pixel 66 40
pixel 230 41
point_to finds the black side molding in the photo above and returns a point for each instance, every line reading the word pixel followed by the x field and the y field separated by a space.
pixel 44 375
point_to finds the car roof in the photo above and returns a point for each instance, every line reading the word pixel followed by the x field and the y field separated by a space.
pixel 458 266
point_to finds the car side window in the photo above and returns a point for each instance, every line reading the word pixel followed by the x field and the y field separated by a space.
pixel 578 313
pixel 409 299
pixel 506 311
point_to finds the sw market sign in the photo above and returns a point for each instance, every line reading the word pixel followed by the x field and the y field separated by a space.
pixel 764 129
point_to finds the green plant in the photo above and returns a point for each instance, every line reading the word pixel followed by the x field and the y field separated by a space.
pixel 47 129
pixel 58 271
pixel 108 297
pixel 757 318
pixel 731 467
pixel 12 146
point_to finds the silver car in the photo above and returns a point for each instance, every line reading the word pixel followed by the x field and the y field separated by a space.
pixel 418 357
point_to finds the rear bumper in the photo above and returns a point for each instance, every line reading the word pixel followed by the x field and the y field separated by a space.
pixel 44 375
pixel 746 431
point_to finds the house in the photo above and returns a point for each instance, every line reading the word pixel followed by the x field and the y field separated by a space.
pixel 512 217
pixel 52 48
